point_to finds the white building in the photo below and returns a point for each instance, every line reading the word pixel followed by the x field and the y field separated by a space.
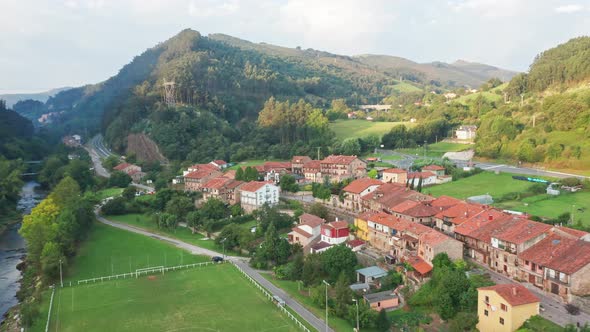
pixel 257 193
pixel 466 132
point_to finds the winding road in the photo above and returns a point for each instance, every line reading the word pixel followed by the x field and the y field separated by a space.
pixel 241 262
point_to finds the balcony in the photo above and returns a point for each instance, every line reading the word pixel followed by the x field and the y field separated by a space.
pixel 558 281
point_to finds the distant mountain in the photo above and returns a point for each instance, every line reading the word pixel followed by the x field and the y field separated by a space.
pixel 458 74
pixel 13 98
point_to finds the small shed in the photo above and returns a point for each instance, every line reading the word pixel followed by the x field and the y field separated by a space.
pixel 481 199
pixel 370 275
pixel 383 300
pixel 360 287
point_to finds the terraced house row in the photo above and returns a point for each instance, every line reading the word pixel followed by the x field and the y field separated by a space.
pixel 407 226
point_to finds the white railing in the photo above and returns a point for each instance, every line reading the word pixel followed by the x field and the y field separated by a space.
pixel 50 306
pixel 270 297
pixel 140 272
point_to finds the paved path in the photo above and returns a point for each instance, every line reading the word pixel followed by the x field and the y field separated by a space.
pixel 95 155
pixel 242 262
pixel 554 309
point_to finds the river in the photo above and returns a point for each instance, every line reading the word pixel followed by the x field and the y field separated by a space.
pixel 12 249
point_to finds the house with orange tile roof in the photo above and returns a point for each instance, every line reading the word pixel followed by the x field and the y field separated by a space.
pixel 558 264
pixel 428 178
pixel 448 218
pixel 436 169
pixel 415 211
pixel 355 190
pixel 339 167
pixel 232 191
pixel 220 164
pixel 127 168
pixel 433 243
pixel 194 180
pixel 307 231
pixel 297 163
pixel 505 307
pixel 394 175
pixel 312 171
pixel 331 234
pixel 389 195
pixel 215 188
pixel 255 194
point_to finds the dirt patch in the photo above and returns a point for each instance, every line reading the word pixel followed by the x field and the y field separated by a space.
pixel 144 148
pixel 152 278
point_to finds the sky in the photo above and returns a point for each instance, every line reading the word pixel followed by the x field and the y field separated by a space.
pixel 46 44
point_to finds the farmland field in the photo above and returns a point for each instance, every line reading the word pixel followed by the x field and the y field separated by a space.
pixel 437 150
pixel 209 298
pixel 552 206
pixel 361 128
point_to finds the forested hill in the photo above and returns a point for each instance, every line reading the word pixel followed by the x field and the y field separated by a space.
pixel 552 126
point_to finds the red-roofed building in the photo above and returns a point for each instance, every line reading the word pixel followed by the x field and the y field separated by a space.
pixel 338 167
pixel 428 178
pixel 255 194
pixel 312 171
pixel 415 211
pixel 558 264
pixel 355 245
pixel 307 231
pixel 216 188
pixel 230 174
pixel 433 243
pixel 297 163
pixel 394 175
pixel 335 232
pixel 194 180
pixel 388 195
pixel 355 190
pixel 127 168
pixel 220 164
pixel 420 268
pixel 201 167
pixel 505 307
pixel 447 219
pixel 436 169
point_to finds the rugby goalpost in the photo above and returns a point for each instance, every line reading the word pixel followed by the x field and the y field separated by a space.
pixel 149 270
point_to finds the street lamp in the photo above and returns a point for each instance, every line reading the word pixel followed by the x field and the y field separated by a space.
pixel 357 314
pixel 223 243
pixel 327 284
pixel 61 280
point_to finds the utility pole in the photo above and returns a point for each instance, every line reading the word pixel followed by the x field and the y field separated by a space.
pixel 424 149
pixel 357 314
pixel 223 242
pixel 61 280
pixel 327 284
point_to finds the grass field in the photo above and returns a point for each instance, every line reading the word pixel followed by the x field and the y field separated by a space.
pixel 552 206
pixel 480 184
pixel 109 192
pixel 181 233
pixel 437 150
pixel 211 298
pixel 110 251
pixel 361 128
pixel 254 162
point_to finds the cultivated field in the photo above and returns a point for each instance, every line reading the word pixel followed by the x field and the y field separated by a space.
pixel 210 298
pixel 362 128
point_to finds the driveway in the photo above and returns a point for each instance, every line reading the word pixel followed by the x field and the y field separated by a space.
pixel 242 262
pixel 554 309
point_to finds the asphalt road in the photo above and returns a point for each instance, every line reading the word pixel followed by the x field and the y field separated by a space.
pixel 314 321
pixel 554 309
pixel 96 153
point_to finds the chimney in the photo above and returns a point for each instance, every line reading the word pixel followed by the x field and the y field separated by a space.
pixel 336 218
pixel 490 217
pixel 514 291
pixel 465 213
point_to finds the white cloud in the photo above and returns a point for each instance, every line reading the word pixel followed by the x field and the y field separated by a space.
pixel 492 8
pixel 568 9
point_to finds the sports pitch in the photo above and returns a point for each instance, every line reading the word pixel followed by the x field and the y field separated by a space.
pixel 209 298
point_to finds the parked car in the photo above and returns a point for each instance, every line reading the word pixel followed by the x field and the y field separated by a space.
pixel 217 259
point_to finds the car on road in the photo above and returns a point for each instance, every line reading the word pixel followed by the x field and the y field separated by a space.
pixel 217 259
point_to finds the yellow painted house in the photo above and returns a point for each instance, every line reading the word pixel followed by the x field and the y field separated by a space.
pixel 362 226
pixel 504 308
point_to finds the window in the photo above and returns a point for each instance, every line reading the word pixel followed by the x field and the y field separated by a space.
pixel 378 304
pixel 503 307
pixel 487 299
pixel 485 312
pixel 501 320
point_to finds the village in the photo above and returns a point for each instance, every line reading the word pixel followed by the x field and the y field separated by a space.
pixel 384 217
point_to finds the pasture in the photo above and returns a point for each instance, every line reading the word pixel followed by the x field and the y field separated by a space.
pixel 480 184
pixel 358 128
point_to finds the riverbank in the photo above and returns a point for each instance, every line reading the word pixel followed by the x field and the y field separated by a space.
pixel 12 253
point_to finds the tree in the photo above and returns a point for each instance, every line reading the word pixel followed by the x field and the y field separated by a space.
pixel 391 280
pixel 193 220
pixel 372 173
pixel 319 209
pixel 79 170
pixel 214 209
pixel 339 259
pixel 343 296
pixel 67 191
pixel 110 162
pixel 115 206
pixel 180 206
pixel 464 321
pixel 419 187
pixel 119 179
pixel 288 183
pixel 129 193
pixel 445 307
pixel 50 258
pixel 239 174
pixel 383 323
pixel 39 228
pixel 313 269
pixel 350 146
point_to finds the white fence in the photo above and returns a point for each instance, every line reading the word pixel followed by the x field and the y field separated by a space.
pixel 49 312
pixel 140 272
pixel 270 297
